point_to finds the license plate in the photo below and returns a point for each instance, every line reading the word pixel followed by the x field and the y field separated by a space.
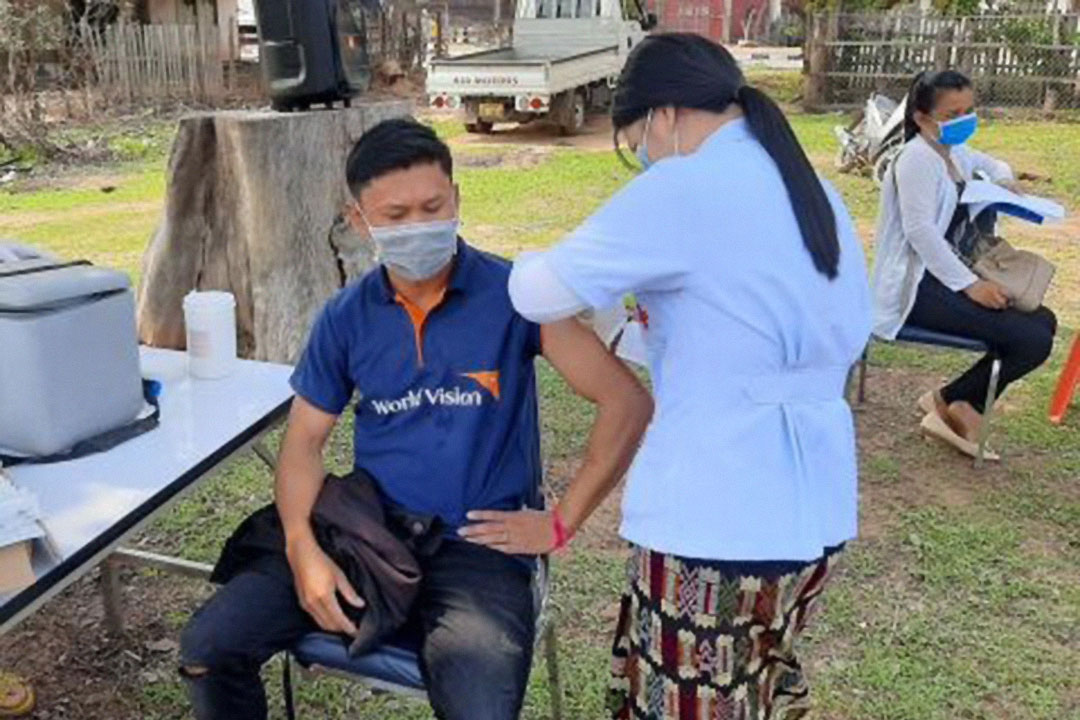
pixel 491 110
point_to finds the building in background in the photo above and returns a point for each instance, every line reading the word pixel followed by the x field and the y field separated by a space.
pixel 726 21
pixel 224 14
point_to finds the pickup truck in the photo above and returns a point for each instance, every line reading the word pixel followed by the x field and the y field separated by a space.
pixel 564 59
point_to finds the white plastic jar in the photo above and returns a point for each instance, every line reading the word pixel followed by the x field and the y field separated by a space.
pixel 210 319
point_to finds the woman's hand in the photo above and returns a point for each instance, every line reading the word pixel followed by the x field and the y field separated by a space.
pixel 1012 186
pixel 523 532
pixel 988 294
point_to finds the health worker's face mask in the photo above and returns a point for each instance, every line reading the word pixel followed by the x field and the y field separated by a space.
pixel 643 147
pixel 958 131
pixel 415 251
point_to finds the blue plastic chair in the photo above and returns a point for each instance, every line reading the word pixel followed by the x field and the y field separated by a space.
pixel 920 336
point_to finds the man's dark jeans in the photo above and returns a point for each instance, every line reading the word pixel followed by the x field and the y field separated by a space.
pixel 474 620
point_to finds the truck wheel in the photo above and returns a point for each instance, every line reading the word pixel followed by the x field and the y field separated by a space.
pixel 480 127
pixel 573 115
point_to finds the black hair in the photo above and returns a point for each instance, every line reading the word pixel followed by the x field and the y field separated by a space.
pixel 396 144
pixel 924 92
pixel 683 70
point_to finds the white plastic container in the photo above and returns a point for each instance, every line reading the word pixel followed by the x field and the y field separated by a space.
pixel 210 319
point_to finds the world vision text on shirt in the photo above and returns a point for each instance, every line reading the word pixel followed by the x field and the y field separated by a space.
pixel 414 399
pixel 453 397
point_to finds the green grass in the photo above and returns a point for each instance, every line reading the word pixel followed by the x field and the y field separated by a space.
pixel 784 87
pixel 961 601
pixel 83 222
pixel 510 209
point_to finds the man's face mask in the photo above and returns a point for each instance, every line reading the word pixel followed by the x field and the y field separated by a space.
pixel 959 130
pixel 415 251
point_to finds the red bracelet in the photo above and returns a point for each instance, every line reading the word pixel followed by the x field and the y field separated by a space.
pixel 562 535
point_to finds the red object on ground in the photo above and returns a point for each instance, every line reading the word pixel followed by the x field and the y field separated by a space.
pixel 1070 378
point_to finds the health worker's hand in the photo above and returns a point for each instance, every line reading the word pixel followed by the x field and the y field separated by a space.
pixel 521 532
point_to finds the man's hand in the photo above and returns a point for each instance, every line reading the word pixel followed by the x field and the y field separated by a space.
pixel 988 294
pixel 523 532
pixel 318 580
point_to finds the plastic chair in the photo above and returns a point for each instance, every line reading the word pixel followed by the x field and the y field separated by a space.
pixel 1070 378
pixel 920 336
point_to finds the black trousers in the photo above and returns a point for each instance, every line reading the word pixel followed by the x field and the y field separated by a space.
pixel 474 620
pixel 1021 340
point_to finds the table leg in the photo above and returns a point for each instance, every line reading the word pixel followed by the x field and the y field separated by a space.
pixel 111 595
pixel 111 589
pixel 264 454
pixel 165 563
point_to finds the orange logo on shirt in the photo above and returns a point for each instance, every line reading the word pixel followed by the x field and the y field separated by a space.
pixel 487 379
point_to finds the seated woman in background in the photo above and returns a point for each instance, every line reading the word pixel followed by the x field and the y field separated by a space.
pixel 920 280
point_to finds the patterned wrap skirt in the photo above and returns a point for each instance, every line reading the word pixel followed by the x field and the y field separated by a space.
pixel 713 640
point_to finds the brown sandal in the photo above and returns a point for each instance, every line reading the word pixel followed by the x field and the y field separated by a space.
pixel 935 426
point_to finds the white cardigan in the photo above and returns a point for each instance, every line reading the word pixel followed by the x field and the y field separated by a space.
pixel 918 201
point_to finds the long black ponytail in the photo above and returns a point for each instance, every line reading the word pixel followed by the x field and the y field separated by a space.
pixel 923 95
pixel 683 70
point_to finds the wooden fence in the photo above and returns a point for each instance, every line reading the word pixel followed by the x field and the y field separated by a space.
pixel 137 64
pixel 1015 60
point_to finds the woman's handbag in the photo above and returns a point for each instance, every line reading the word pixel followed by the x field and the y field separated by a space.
pixel 1024 275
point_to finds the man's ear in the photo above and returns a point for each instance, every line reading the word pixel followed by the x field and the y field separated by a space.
pixel 355 217
pixel 457 198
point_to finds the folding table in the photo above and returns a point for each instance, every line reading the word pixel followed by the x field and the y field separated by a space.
pixel 92 505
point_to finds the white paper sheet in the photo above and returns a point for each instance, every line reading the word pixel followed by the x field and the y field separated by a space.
pixel 980 194
pixel 19 515
pixel 609 322
pixel 632 346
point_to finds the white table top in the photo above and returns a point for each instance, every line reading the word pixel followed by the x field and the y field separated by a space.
pixel 91 503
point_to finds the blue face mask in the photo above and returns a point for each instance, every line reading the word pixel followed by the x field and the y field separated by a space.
pixel 958 131
pixel 642 152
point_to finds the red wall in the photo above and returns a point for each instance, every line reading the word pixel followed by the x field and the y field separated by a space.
pixel 706 17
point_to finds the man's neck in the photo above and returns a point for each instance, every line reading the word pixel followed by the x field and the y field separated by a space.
pixel 424 294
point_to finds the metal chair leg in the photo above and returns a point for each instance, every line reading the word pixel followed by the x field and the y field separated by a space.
pixel 988 411
pixel 551 656
pixel 287 687
pixel 862 374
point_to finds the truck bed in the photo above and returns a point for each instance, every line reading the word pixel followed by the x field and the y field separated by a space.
pixel 514 56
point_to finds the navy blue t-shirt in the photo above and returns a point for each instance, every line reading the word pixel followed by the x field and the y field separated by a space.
pixel 446 411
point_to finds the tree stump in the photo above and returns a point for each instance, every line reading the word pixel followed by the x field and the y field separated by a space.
pixel 253 207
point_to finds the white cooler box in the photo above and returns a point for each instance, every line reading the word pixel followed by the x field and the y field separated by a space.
pixel 69 356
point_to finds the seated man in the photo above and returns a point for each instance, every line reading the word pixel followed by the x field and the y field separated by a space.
pixel 446 423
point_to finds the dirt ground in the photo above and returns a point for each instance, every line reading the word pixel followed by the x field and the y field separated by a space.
pixel 596 135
